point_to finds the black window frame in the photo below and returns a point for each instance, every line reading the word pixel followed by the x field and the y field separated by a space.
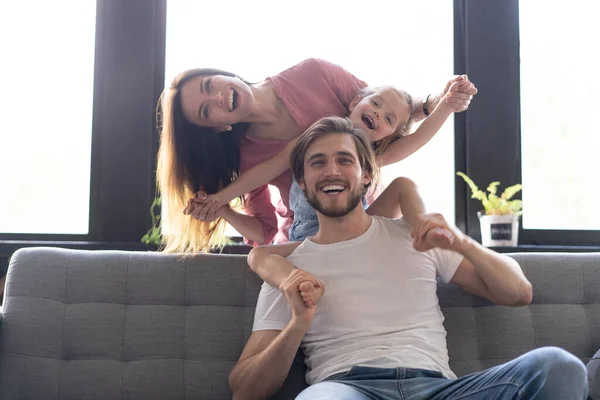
pixel 487 49
pixel 129 78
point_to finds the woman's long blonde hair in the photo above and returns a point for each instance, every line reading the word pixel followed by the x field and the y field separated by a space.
pixel 192 158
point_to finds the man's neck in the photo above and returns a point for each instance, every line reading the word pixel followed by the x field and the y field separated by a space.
pixel 348 227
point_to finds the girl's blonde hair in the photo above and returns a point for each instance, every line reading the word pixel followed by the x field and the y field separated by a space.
pixel 192 158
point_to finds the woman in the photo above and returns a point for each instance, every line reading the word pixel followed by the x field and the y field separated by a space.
pixel 214 126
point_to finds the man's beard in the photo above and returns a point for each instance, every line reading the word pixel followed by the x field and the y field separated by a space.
pixel 355 197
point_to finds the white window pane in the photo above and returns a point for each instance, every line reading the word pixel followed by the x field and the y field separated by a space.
pixel 560 94
pixel 406 44
pixel 46 74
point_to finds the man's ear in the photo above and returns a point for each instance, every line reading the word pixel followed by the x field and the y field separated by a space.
pixel 366 178
pixel 354 102
pixel 301 184
pixel 226 128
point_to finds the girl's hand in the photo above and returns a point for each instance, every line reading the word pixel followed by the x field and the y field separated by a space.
pixel 458 93
pixel 455 98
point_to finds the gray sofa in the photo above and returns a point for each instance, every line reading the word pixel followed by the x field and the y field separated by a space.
pixel 140 325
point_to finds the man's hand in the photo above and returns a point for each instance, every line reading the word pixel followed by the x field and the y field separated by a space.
pixel 433 231
pixel 301 313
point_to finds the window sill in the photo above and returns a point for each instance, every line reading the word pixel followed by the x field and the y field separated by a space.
pixel 547 249
pixel 7 247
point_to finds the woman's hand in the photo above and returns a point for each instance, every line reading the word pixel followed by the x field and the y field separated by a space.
pixel 203 207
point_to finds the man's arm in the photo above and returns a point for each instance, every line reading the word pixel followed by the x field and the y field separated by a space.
pixel 268 355
pixel 491 275
pixel 483 272
pixel 265 363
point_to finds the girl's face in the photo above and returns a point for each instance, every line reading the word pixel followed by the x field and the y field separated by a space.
pixel 216 101
pixel 379 114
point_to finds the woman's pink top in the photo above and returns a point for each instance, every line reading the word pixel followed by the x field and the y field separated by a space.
pixel 310 91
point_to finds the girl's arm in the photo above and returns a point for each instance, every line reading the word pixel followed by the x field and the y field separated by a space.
pixel 404 147
pixel 270 264
pixel 400 198
pixel 253 178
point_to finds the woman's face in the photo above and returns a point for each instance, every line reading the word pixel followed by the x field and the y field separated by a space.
pixel 216 101
pixel 380 114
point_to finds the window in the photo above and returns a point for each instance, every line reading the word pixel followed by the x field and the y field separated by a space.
pixel 379 44
pixel 46 113
pixel 560 92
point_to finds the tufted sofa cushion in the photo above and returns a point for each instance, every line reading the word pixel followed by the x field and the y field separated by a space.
pixel 134 325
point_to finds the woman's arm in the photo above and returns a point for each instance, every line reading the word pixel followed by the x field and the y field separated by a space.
pixel 253 178
pixel 258 223
pixel 247 225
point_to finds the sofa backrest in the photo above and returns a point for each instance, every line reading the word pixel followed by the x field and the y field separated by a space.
pixel 565 312
pixel 134 325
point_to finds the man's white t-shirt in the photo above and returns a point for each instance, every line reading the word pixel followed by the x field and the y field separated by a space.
pixel 380 307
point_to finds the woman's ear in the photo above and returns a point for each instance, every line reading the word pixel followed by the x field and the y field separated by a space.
pixel 226 128
pixel 354 102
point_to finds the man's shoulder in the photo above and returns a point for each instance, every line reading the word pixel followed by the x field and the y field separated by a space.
pixel 397 230
pixel 395 224
pixel 300 250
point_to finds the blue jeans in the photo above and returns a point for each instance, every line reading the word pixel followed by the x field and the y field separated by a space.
pixel 544 373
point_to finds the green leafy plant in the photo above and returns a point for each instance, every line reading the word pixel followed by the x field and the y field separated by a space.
pixel 153 236
pixel 492 203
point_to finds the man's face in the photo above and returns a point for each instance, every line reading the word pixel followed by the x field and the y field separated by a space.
pixel 333 178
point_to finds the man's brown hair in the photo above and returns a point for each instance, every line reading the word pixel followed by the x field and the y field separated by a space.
pixel 335 125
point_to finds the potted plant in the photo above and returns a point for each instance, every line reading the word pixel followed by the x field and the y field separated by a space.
pixel 499 219
pixel 153 236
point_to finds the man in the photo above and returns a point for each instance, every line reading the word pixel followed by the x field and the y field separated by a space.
pixel 377 332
